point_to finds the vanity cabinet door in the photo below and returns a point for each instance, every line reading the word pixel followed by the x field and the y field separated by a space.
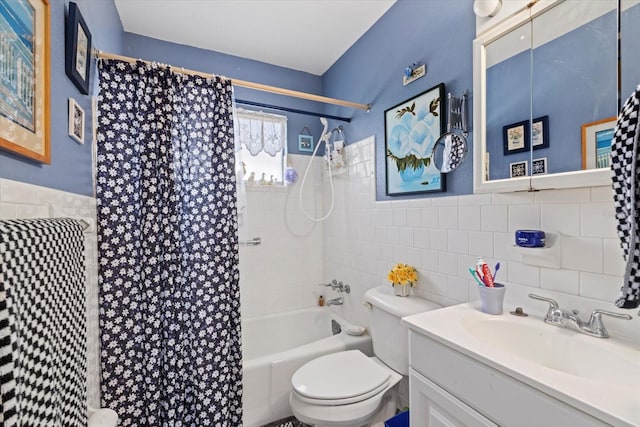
pixel 432 406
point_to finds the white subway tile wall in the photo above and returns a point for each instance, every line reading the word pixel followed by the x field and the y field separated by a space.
pixel 20 200
pixel 441 236
pixel 283 272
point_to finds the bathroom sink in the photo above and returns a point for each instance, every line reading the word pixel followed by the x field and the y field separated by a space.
pixel 559 349
pixel 597 376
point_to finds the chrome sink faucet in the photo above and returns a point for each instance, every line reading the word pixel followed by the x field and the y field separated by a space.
pixel 570 320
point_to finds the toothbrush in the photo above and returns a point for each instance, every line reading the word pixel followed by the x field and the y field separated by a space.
pixel 475 276
pixel 495 273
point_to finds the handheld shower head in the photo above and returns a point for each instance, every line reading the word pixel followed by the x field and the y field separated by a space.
pixel 324 121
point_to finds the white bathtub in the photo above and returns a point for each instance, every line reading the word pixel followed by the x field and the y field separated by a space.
pixel 275 346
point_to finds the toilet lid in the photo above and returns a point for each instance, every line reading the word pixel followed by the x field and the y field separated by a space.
pixel 338 377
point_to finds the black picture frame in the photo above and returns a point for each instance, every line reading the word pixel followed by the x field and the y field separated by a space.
pixel 540 133
pixel 77 49
pixel 516 137
pixel 409 167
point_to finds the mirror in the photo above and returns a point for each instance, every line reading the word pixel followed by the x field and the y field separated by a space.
pixel 542 78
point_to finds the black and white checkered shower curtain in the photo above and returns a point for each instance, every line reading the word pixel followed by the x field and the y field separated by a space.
pixel 168 249
pixel 43 362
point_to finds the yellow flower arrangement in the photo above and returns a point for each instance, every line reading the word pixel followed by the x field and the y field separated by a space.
pixel 403 274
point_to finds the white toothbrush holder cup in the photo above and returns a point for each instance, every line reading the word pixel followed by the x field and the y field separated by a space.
pixel 491 299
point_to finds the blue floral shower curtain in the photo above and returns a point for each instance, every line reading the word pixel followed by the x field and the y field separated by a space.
pixel 168 249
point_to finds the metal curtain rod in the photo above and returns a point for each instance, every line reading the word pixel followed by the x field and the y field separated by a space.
pixel 291 110
pixel 246 84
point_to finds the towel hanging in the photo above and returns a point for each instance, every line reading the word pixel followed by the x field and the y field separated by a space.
pixel 625 174
pixel 42 323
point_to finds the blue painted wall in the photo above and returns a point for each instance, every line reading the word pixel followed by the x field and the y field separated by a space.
pixel 438 33
pixel 193 58
pixel 70 167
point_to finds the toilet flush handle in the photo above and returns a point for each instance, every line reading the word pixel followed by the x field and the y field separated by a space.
pixel 367 304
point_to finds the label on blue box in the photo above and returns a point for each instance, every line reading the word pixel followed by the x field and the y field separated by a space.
pixel 530 238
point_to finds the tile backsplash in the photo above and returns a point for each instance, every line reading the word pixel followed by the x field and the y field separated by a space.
pixel 20 200
pixel 441 237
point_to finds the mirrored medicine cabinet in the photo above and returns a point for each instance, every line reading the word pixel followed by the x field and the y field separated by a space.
pixel 547 91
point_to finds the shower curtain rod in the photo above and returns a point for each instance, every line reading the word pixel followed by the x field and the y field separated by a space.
pixel 246 84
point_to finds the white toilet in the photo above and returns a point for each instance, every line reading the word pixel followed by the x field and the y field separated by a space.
pixel 348 388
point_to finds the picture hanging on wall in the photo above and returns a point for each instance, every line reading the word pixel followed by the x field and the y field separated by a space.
pixel 77 49
pixel 596 143
pixel 305 143
pixel 539 166
pixel 540 133
pixel 76 121
pixel 516 138
pixel 518 169
pixel 411 130
pixel 24 104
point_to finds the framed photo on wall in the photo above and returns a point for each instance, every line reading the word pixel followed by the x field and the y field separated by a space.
pixel 516 137
pixel 77 63
pixel 24 104
pixel 411 130
pixel 540 133
pixel 76 121
pixel 596 143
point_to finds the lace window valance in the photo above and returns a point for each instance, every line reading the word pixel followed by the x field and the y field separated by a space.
pixel 259 131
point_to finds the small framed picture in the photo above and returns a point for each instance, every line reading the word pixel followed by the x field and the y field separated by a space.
pixel 596 143
pixel 539 166
pixel 76 121
pixel 518 169
pixel 305 143
pixel 540 133
pixel 77 49
pixel 516 137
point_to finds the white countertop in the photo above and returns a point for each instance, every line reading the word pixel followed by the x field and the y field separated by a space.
pixel 614 402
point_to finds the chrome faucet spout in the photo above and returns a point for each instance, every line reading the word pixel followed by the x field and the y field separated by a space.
pixel 569 320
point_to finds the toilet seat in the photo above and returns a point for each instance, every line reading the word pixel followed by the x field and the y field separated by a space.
pixel 339 379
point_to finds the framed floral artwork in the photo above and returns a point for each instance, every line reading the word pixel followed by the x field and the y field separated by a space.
pixel 411 130
pixel 540 133
pixel 24 63
pixel 516 137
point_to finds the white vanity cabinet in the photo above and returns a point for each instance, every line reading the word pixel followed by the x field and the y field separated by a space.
pixel 433 406
pixel 450 388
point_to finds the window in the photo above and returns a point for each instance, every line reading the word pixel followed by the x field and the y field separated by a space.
pixel 262 139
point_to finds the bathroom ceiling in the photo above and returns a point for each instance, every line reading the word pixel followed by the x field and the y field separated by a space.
pixel 305 35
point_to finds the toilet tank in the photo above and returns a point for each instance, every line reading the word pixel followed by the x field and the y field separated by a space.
pixel 389 337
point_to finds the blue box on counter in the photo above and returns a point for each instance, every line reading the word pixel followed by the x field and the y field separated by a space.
pixel 530 238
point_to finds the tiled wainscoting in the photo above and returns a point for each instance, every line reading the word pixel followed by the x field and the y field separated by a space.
pixel 20 200
pixel 441 237
pixel 284 271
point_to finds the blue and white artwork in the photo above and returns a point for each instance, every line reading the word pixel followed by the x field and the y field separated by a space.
pixel 603 147
pixel 17 73
pixel 411 130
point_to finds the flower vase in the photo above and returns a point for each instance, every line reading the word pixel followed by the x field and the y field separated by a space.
pixel 402 290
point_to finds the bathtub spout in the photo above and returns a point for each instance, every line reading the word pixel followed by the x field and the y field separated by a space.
pixel 335 301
